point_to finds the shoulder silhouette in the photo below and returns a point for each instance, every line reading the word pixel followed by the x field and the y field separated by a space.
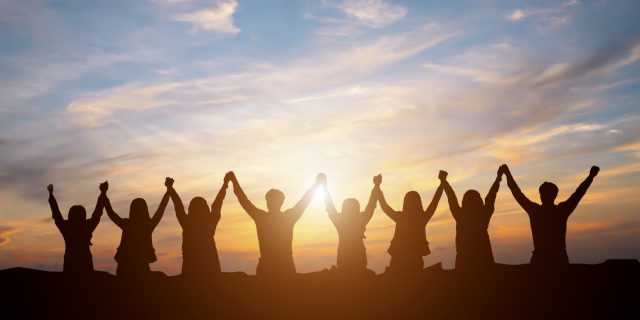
pixel 77 231
pixel 549 220
pixel 199 252
pixel 409 243
pixel 473 247
pixel 351 224
pixel 136 251
pixel 275 227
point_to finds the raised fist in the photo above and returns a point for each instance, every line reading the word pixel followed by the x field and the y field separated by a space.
pixel 168 182
pixel 377 180
pixel 321 179
pixel 594 171
pixel 442 175
pixel 104 186
pixel 50 188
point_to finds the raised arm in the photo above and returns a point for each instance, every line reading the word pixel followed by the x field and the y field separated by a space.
pixel 216 206
pixel 373 199
pixel 383 204
pixel 112 214
pixel 524 202
pixel 246 204
pixel 328 204
pixel 431 209
pixel 571 203
pixel 490 199
pixel 454 207
pixel 178 206
pixel 302 204
pixel 155 220
pixel 97 212
pixel 55 210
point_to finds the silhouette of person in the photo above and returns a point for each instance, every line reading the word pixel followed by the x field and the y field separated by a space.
pixel 548 220
pixel 77 231
pixel 409 243
pixel 136 251
pixel 275 228
pixel 199 252
pixel 473 247
pixel 351 225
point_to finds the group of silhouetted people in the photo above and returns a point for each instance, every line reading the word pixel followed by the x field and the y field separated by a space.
pixel 275 228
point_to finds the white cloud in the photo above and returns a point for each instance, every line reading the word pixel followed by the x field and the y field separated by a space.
pixel 218 19
pixel 373 13
pixel 516 15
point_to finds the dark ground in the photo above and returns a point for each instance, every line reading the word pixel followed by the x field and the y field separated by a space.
pixel 609 290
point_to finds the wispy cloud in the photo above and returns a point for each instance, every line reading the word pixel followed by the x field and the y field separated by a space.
pixel 373 13
pixel 217 19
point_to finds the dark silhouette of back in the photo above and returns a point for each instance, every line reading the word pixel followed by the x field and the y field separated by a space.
pixel 275 227
pixel 199 252
pixel 548 220
pixel 136 251
pixel 409 243
pixel 351 225
pixel 473 246
pixel 77 231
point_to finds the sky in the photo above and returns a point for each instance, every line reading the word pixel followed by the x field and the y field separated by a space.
pixel 278 91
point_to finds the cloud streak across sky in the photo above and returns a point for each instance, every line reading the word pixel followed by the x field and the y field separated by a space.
pixel 133 92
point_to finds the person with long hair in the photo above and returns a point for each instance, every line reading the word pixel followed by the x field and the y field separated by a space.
pixel 351 225
pixel 473 246
pixel 77 231
pixel 409 243
pixel 199 252
pixel 136 251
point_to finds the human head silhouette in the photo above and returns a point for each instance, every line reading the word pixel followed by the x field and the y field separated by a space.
pixel 77 214
pixel 412 203
pixel 350 206
pixel 548 192
pixel 138 211
pixel 198 207
pixel 472 200
pixel 275 199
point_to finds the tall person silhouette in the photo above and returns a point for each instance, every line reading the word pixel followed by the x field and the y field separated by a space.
pixel 351 225
pixel 77 231
pixel 473 247
pixel 199 252
pixel 136 251
pixel 409 243
pixel 275 227
pixel 549 220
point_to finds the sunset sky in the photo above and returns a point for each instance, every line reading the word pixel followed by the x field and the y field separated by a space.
pixel 277 91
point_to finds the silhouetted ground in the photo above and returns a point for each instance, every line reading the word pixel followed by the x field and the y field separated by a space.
pixel 608 290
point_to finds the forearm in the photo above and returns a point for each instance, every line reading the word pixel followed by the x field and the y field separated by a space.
pixel 452 199
pixel 434 202
pixel 373 200
pixel 493 191
pixel 163 205
pixel 328 203
pixel 217 203
pixel 55 210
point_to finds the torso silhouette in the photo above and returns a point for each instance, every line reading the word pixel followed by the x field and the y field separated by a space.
pixel 198 245
pixel 77 239
pixel 549 228
pixel 473 245
pixel 275 237
pixel 136 244
pixel 410 237
pixel 77 233
pixel 351 250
